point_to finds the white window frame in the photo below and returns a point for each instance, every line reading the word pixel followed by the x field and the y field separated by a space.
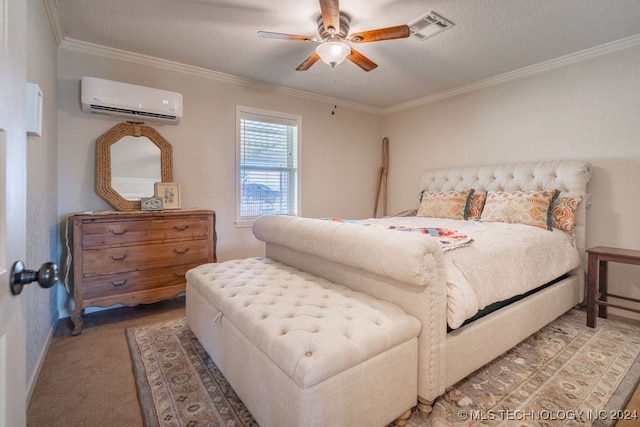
pixel 274 116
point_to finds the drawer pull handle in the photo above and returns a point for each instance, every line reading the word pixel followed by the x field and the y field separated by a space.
pixel 114 258
pixel 182 228
pixel 118 233
pixel 178 276
pixel 177 252
pixel 118 284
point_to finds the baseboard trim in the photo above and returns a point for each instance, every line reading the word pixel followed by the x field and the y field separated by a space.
pixel 33 379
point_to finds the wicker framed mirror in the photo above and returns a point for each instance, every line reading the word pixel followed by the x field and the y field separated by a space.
pixel 125 134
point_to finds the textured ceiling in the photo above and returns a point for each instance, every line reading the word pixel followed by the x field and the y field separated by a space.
pixel 490 38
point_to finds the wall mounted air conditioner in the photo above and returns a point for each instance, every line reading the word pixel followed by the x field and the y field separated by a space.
pixel 137 103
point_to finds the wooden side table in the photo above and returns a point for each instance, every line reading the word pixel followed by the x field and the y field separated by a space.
pixel 597 269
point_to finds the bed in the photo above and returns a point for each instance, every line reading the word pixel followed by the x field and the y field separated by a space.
pixel 425 263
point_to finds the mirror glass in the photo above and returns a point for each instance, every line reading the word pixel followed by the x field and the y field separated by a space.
pixel 135 167
pixel 130 159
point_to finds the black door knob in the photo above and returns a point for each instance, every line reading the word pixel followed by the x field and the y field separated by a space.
pixel 46 277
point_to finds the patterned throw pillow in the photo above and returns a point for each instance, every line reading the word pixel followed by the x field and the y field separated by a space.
pixel 476 204
pixel 520 207
pixel 563 213
pixel 445 204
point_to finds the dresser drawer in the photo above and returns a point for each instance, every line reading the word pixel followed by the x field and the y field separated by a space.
pixel 133 258
pixel 100 234
pixel 119 283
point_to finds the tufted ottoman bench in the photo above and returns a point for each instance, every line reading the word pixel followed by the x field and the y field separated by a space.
pixel 300 350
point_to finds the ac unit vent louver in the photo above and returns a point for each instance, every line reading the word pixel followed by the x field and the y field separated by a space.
pixel 127 112
pixel 428 26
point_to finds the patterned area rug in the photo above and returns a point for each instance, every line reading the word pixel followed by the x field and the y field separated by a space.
pixel 178 383
pixel 564 375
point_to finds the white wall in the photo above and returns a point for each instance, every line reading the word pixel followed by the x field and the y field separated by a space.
pixel 340 155
pixel 42 194
pixel 589 110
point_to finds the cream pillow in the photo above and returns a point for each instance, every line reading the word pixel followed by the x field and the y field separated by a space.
pixel 520 207
pixel 445 204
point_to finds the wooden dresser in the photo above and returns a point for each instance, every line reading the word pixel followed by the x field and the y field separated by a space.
pixel 138 257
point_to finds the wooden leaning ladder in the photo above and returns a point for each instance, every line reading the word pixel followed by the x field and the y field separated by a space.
pixel 382 179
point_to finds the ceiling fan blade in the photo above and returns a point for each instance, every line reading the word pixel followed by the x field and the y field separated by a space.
pixel 390 33
pixel 307 63
pixel 330 14
pixel 361 61
pixel 283 36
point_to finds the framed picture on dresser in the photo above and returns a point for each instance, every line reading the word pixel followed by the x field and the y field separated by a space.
pixel 169 192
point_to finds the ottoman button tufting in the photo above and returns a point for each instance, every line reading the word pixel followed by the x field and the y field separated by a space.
pixel 337 357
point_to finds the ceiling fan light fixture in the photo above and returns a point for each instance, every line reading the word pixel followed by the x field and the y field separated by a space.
pixel 333 53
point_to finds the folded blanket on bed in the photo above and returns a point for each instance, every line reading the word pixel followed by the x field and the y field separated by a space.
pixel 449 239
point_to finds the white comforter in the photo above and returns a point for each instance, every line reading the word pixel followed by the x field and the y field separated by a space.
pixel 502 261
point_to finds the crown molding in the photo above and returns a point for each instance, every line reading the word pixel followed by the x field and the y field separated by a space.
pixel 121 55
pixel 562 61
pixel 54 18
pixel 150 61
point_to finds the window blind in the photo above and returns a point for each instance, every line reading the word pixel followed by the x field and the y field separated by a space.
pixel 268 165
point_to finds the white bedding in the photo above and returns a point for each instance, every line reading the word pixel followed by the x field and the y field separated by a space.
pixel 502 261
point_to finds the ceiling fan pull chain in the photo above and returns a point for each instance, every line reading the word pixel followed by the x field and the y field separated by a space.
pixel 335 83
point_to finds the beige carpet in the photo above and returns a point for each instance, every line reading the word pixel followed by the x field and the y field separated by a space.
pixel 566 374
pixel 87 380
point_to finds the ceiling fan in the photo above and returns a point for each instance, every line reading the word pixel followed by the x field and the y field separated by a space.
pixel 333 28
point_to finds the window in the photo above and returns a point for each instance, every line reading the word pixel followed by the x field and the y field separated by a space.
pixel 267 167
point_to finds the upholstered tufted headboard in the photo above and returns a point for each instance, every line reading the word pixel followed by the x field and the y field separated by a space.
pixel 568 176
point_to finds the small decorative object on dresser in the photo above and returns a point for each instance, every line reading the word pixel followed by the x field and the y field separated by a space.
pixel 169 192
pixel 151 203
pixel 133 258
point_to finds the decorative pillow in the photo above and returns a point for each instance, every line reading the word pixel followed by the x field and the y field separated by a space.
pixel 476 204
pixel 520 207
pixel 563 213
pixel 445 204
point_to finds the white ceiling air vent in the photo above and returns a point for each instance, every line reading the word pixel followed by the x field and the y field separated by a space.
pixel 428 26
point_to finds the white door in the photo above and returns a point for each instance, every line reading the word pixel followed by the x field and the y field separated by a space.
pixel 13 165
